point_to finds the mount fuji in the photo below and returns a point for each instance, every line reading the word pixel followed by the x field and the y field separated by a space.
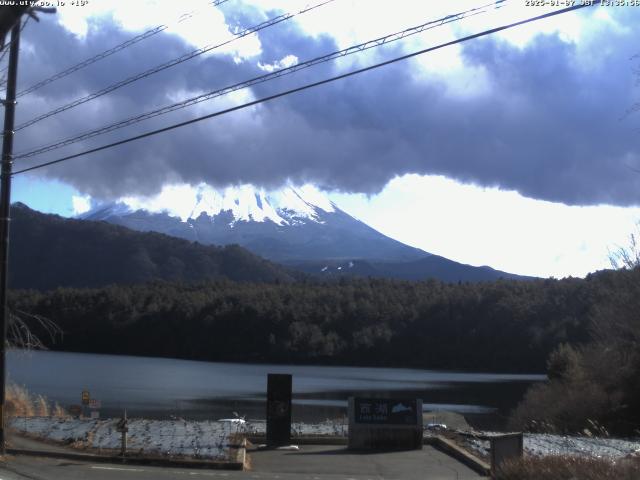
pixel 298 227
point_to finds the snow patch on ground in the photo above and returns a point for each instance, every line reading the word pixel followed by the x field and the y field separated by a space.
pixel 213 439
pixel 540 444
pixel 202 439
pixel 329 428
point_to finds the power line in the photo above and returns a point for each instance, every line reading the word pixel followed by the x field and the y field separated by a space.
pixel 260 79
pixel 306 87
pixel 109 52
pixel 6 49
pixel 169 64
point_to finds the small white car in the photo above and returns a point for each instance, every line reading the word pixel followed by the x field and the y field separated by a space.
pixel 435 426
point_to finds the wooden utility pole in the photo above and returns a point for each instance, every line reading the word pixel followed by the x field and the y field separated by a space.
pixel 5 213
pixel 8 16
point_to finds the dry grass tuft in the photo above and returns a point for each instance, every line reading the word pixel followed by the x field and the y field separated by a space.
pixel 570 468
pixel 20 403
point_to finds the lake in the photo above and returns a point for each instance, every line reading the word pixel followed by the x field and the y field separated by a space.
pixel 160 387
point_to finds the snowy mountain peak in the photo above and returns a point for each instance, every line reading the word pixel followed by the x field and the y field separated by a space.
pixel 290 224
pixel 103 212
pixel 287 206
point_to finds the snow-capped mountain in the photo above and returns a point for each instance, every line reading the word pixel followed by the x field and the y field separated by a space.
pixel 299 227
pixel 245 203
pixel 286 225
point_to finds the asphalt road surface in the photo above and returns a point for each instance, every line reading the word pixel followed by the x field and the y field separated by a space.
pixel 311 462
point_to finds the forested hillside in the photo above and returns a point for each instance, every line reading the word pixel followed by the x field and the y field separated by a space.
pixel 48 251
pixel 500 326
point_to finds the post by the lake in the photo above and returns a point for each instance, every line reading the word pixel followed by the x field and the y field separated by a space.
pixel 279 387
pixel 123 428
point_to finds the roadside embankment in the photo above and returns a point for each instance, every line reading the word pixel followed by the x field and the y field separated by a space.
pixel 167 438
pixel 542 445
pixel 218 440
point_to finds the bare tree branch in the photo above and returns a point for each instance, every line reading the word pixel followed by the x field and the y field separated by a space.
pixel 629 256
pixel 21 328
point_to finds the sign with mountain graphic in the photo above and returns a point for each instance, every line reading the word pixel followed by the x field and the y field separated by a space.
pixel 386 411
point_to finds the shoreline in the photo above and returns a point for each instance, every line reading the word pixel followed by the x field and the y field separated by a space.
pixel 501 376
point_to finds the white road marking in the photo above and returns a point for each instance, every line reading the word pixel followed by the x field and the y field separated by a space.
pixel 179 472
pixel 207 474
pixel 117 468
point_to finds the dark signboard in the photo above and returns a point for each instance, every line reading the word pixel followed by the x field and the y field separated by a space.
pixel 75 410
pixel 385 411
pixel 505 447
pixel 279 409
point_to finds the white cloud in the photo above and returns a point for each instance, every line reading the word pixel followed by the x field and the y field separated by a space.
pixel 177 200
pixel 80 204
pixel 195 21
pixel 284 62
pixel 488 226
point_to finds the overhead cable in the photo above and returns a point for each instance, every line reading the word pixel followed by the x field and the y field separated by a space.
pixel 305 87
pixel 102 55
pixel 169 64
pixel 260 79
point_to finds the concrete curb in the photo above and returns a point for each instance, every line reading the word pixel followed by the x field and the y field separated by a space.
pixel 241 455
pixel 238 464
pixel 450 448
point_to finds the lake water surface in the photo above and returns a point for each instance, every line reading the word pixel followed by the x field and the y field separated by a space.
pixel 159 387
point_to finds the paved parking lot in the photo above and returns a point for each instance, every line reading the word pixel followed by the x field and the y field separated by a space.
pixel 310 462
pixel 324 461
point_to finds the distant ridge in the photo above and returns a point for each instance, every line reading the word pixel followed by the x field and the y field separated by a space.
pixel 431 267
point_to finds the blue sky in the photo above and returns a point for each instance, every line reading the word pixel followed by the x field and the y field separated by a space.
pixel 514 151
pixel 48 196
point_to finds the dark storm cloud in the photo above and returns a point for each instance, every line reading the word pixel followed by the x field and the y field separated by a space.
pixel 549 126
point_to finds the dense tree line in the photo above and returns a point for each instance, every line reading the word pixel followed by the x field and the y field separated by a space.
pixel 499 326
